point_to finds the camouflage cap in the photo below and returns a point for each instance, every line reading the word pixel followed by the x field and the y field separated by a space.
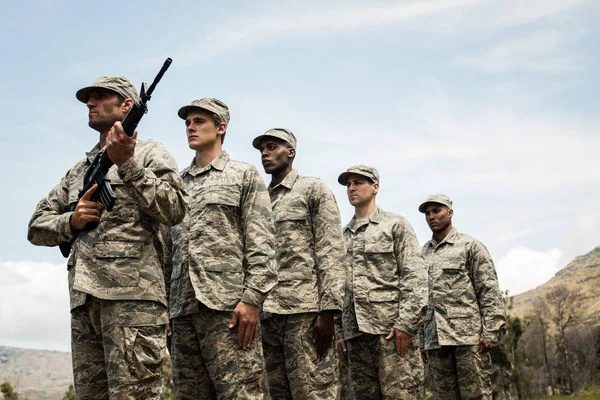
pixel 364 170
pixel 210 104
pixel 438 199
pixel 117 84
pixel 281 133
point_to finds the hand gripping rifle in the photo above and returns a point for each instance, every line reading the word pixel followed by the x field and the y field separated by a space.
pixel 96 173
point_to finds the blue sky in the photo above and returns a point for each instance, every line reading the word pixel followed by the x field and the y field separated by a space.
pixel 493 102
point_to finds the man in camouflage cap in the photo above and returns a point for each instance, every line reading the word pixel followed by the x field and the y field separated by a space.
pixel 223 267
pixel 116 283
pixel 298 323
pixel 386 295
pixel 466 309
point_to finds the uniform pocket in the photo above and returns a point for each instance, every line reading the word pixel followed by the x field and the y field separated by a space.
pixel 380 296
pixel 145 351
pixel 118 263
pixel 143 326
pixel 380 259
pixel 225 195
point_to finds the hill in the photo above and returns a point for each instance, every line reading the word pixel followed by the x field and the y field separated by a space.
pixel 36 374
pixel 581 275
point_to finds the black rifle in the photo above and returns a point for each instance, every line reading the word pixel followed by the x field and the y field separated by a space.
pixel 96 173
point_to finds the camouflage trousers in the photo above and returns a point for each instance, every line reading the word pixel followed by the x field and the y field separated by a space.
pixel 343 381
pixel 460 373
pixel 118 348
pixel 291 357
pixel 209 364
pixel 378 372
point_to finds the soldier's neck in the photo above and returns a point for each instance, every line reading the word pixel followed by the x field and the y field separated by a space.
pixel 441 235
pixel 279 176
pixel 207 155
pixel 103 136
pixel 363 211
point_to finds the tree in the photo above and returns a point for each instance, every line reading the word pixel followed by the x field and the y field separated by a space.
pixel 9 393
pixel 70 394
pixel 563 306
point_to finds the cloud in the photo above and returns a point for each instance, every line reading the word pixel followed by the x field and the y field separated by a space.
pixel 309 20
pixel 34 305
pixel 545 51
pixel 522 269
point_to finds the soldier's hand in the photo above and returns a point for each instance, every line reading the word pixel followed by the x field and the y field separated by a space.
pixel 323 333
pixel 86 210
pixel 402 342
pixel 342 351
pixel 424 356
pixel 120 147
pixel 485 346
pixel 247 316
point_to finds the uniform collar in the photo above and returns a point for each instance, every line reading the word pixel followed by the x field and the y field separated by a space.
pixel 450 238
pixel 374 217
pixel 218 163
pixel 90 155
pixel 288 181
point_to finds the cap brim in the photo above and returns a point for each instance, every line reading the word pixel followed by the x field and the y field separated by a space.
pixel 83 94
pixel 257 141
pixel 424 205
pixel 185 110
pixel 343 178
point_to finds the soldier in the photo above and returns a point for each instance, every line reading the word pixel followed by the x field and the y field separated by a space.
pixel 223 267
pixel 298 323
pixel 116 285
pixel 465 311
pixel 386 295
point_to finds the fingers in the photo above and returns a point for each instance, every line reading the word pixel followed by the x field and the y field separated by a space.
pixel 342 351
pixel 234 319
pixel 248 335
pixel 88 195
pixel 391 335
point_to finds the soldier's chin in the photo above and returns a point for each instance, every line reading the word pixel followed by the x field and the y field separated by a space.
pixel 99 126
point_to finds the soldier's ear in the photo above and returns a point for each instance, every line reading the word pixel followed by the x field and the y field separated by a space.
pixel 375 188
pixel 450 212
pixel 127 104
pixel 291 152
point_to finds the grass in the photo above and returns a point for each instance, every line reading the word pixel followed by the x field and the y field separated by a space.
pixel 592 393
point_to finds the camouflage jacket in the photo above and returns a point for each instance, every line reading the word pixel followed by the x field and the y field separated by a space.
pixel 223 251
pixel 310 247
pixel 465 303
pixel 387 281
pixel 119 259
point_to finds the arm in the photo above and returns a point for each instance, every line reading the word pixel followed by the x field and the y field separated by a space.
pixel 329 248
pixel 489 298
pixel 49 225
pixel 259 245
pixel 413 279
pixel 156 186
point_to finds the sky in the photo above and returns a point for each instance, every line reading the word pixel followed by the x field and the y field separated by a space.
pixel 493 102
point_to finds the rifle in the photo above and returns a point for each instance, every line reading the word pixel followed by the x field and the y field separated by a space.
pixel 96 173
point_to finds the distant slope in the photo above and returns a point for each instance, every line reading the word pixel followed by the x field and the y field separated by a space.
pixel 36 374
pixel 582 274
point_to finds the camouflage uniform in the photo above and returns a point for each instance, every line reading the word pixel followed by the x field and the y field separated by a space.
pixel 386 288
pixel 465 306
pixel 116 284
pixel 310 254
pixel 223 253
